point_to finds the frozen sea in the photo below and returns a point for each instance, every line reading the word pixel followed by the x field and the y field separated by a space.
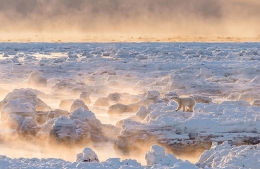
pixel 115 99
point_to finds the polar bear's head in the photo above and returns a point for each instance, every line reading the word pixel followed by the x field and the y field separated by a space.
pixel 175 98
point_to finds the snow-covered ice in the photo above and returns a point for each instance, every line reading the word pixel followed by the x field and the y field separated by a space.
pixel 156 158
pixel 82 94
pixel 227 156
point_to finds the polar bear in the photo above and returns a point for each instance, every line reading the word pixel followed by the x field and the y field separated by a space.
pixel 184 102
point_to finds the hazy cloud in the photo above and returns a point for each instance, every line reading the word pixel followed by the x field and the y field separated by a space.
pixel 132 16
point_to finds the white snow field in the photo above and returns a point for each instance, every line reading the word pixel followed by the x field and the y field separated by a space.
pixel 108 105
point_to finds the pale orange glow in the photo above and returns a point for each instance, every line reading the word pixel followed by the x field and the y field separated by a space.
pixel 133 21
pixel 16 146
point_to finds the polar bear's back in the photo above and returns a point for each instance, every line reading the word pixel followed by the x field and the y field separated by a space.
pixel 188 101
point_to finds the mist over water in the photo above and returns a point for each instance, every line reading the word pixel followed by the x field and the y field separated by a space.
pixel 15 145
pixel 103 20
pixel 117 20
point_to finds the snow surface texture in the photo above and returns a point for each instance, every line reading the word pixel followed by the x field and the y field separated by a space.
pixel 139 78
pixel 88 155
pixel 156 158
pixel 226 156
pixel 219 156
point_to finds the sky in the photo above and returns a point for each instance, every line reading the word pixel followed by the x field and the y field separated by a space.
pixel 128 20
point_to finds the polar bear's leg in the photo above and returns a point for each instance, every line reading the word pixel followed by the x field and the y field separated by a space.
pixel 191 108
pixel 179 107
pixel 183 108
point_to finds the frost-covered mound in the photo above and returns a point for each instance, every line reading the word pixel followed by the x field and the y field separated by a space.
pixel 37 79
pixel 102 101
pixel 14 121
pixel 22 107
pixel 69 86
pixel 88 155
pixel 21 110
pixel 150 97
pixel 29 126
pixel 64 129
pixel 227 156
pixel 90 128
pixel 84 96
pixel 157 156
pixel 78 103
pixel 81 125
pixel 85 116
pixel 22 100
